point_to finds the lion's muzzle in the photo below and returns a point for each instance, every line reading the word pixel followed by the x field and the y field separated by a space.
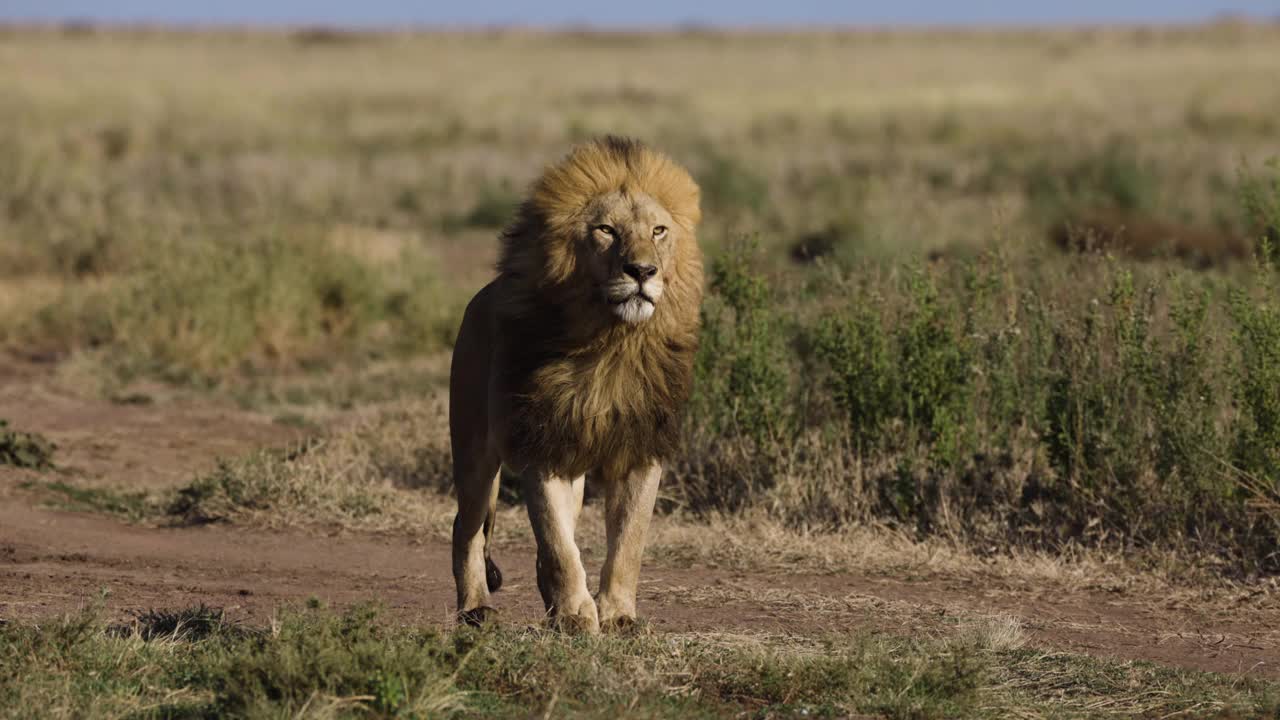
pixel 632 296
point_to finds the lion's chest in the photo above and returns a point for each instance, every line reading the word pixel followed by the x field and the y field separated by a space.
pixel 578 413
pixel 600 398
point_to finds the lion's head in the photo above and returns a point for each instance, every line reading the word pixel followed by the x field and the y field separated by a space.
pixel 608 230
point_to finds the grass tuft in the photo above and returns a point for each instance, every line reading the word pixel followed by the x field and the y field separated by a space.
pixel 25 450
pixel 133 505
pixel 188 624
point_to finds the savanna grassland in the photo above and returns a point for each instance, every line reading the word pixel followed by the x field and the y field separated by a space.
pixel 985 309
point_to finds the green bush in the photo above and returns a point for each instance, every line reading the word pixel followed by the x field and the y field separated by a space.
pixel 863 379
pixel 744 367
pixel 911 372
pixel 1257 317
pixel 744 406
pixel 936 370
pixel 1260 196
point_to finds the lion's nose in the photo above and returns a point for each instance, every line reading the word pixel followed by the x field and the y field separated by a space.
pixel 640 272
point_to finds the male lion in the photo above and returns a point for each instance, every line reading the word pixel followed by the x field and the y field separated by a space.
pixel 578 358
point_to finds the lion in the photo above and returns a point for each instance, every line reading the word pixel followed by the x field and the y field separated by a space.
pixel 577 359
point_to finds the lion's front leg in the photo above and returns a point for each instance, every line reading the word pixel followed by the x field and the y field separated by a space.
pixel 628 504
pixel 554 504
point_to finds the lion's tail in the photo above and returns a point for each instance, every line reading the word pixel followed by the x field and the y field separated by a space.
pixel 492 575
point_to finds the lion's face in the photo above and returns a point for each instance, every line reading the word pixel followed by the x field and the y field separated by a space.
pixel 629 240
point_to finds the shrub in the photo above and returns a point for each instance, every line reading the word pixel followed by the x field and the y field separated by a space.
pixel 863 377
pixel 743 378
pixel 743 409
pixel 1260 197
pixel 1258 383
pixel 913 370
pixel 935 365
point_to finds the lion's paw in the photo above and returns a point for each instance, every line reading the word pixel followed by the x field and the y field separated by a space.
pixel 626 625
pixel 581 618
pixel 477 617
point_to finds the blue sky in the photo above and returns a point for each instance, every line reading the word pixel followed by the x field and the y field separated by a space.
pixel 629 12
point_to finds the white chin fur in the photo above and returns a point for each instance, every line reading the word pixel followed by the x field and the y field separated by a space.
pixel 634 310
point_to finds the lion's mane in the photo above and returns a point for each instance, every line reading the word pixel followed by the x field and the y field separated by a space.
pixel 584 389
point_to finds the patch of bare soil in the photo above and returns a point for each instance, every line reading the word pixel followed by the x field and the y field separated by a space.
pixel 53 562
pixel 150 437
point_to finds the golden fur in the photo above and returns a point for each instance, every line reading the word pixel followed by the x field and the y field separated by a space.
pixel 578 358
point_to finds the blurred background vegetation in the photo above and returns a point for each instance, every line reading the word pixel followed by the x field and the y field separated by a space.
pixel 1015 288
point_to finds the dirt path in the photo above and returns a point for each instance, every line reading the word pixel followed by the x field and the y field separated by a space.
pixel 152 437
pixel 52 562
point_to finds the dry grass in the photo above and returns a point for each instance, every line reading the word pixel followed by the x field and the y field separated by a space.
pixel 317 664
pixel 380 474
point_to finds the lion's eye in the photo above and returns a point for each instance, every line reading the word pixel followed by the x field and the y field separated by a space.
pixel 606 230
pixel 660 231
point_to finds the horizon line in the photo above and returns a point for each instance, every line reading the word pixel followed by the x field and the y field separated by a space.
pixel 112 24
